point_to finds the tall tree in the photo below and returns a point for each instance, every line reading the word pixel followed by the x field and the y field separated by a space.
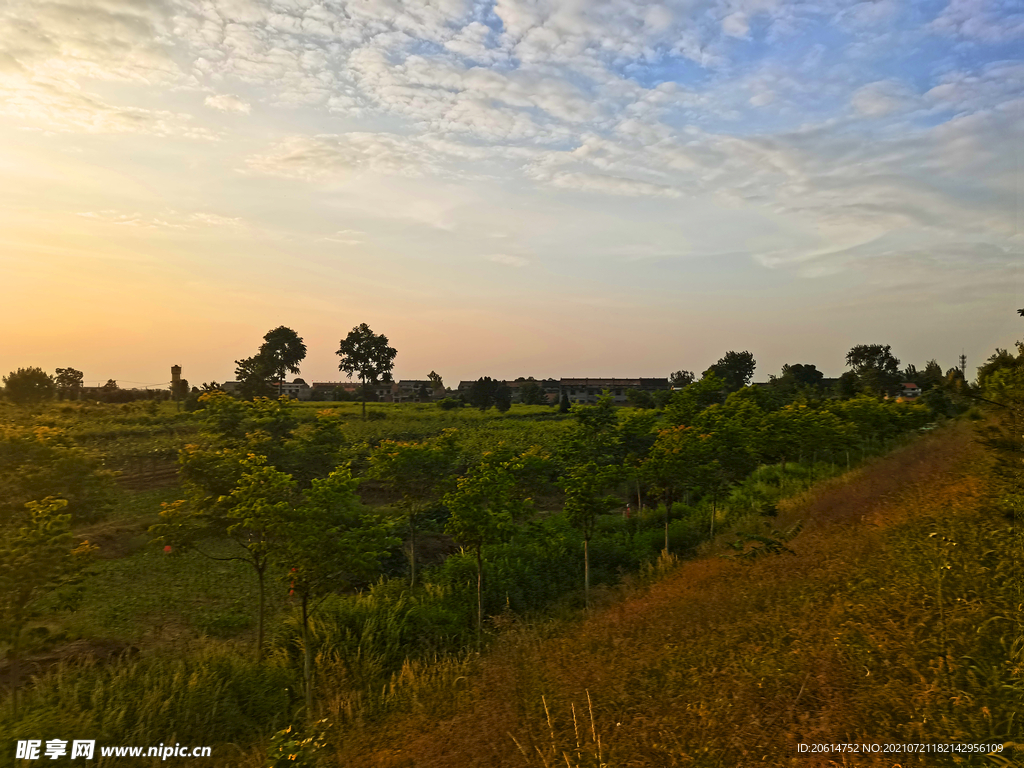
pixel 486 392
pixel 681 378
pixel 735 369
pixel 877 370
pixel 418 471
pixel 485 505
pixel 69 382
pixel 367 355
pixel 532 393
pixel 252 514
pixel 283 350
pixel 435 380
pixel 28 385
pixel 328 541
pixel 253 377
pixel 585 499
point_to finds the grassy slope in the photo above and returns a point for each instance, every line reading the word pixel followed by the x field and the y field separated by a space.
pixel 863 635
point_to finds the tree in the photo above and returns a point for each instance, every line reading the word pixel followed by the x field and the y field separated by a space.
pixel 639 399
pixel 532 393
pixel 282 350
pixel 877 371
pixel 672 465
pixel 684 405
pixel 435 380
pixel 69 382
pixel 930 377
pixel 28 385
pixel 485 392
pixel 366 354
pixel 37 555
pixel 423 394
pixel 252 514
pixel 735 369
pixel 485 506
pixel 328 541
pixel 584 500
pixel 680 379
pixel 563 404
pixel 417 471
pixel 253 376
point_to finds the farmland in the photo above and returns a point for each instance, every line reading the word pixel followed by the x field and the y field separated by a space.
pixel 160 634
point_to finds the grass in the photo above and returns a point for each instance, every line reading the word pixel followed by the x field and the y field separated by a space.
pixel 895 621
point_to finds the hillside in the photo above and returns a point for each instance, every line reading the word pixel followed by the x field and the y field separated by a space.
pixel 894 619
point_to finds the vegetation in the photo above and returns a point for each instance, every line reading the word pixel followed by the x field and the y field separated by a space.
pixel 276 536
pixel 366 354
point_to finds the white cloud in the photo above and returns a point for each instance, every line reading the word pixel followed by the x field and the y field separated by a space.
pixel 508 260
pixel 167 219
pixel 882 98
pixel 228 103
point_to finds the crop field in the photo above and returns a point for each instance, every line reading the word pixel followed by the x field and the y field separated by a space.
pixel 190 619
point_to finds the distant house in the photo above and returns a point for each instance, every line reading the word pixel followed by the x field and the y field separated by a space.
pixel 297 389
pixel 548 386
pixel 909 390
pixel 587 391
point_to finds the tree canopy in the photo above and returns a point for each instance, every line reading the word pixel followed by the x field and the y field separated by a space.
pixel 735 369
pixel 367 355
pixel 282 351
pixel 28 385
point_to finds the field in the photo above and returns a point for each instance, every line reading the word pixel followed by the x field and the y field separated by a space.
pixel 155 641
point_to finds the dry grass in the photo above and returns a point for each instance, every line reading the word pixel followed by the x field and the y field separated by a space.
pixel 858 636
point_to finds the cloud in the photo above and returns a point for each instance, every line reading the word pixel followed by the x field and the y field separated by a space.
pixel 338 156
pixel 167 220
pixel 882 98
pixel 227 103
pixel 989 21
pixel 508 261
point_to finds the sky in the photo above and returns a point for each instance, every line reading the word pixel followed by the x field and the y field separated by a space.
pixel 512 188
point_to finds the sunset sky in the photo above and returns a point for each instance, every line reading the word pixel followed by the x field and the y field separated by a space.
pixel 508 188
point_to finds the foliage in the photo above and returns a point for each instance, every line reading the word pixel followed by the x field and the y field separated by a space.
pixel 37 555
pixel 28 385
pixel 253 375
pixel 367 355
pixel 684 405
pixel 327 541
pixel 532 393
pixel 876 369
pixel 681 378
pixel 294 747
pixel 282 350
pixel 734 368
pixel 486 392
pixel 44 461
pixel 68 381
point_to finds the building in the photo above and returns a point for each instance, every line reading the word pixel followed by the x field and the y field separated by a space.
pixel 909 390
pixel 587 391
pixel 297 389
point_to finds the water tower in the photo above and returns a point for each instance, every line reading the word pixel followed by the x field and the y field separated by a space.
pixel 176 381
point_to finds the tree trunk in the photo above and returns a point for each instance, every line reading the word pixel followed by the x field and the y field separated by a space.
pixel 586 573
pixel 479 596
pixel 307 666
pixel 260 572
pixel 714 511
pixel 362 390
pixel 639 503
pixel 668 507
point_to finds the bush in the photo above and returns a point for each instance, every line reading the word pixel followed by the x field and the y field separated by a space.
pixel 449 403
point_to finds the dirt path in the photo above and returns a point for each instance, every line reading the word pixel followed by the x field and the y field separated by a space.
pixel 711 625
